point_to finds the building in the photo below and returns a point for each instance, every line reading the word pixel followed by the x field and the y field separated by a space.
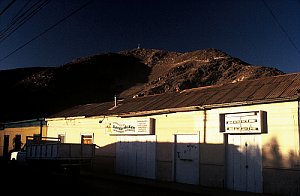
pixel 13 134
pixel 241 136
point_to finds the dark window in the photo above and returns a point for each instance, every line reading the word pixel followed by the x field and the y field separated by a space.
pixel 87 139
pixel 62 138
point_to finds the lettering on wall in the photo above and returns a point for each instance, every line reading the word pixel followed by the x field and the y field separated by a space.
pixel 187 152
pixel 244 122
pixel 144 126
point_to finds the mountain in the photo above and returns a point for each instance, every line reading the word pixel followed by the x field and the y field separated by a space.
pixel 40 91
pixel 171 71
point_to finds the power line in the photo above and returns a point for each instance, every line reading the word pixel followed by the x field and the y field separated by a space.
pixel 46 30
pixel 21 18
pixel 281 27
pixel 6 8
pixel 20 11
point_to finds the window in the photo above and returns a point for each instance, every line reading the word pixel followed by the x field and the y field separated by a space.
pixel 62 137
pixel 87 139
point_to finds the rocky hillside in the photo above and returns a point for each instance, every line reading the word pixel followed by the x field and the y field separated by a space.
pixel 173 71
pixel 37 92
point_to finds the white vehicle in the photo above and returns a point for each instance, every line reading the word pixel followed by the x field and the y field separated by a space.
pixel 50 152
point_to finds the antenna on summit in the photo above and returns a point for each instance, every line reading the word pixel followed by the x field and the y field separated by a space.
pixel 138 46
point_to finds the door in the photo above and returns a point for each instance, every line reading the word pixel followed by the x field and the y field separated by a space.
pixel 244 163
pixel 186 159
pixel 5 147
pixel 136 156
pixel 17 143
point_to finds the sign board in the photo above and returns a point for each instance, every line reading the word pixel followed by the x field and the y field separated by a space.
pixel 144 126
pixel 244 122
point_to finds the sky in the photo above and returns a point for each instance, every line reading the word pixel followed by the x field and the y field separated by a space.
pixel 40 33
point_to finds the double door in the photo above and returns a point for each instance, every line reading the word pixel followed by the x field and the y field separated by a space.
pixel 244 163
pixel 136 156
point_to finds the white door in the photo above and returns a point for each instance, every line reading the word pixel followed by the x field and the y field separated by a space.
pixel 135 156
pixel 186 159
pixel 244 163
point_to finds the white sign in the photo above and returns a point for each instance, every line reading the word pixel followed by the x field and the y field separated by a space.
pixel 244 122
pixel 143 126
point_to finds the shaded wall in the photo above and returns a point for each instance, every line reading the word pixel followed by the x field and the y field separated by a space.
pixel 280 145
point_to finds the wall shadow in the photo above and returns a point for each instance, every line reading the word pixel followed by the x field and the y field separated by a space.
pixel 209 165
pixel 213 165
pixel 281 169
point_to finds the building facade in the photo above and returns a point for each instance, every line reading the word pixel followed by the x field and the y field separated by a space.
pixel 13 134
pixel 242 136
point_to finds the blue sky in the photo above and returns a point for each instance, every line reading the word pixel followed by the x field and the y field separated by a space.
pixel 259 32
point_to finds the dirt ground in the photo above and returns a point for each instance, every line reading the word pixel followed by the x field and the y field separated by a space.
pixel 22 179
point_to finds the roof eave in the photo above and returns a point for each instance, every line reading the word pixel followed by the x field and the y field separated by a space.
pixel 161 111
pixel 252 102
pixel 204 107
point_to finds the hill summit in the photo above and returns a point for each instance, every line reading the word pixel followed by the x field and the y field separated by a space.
pixel 173 71
pixel 40 91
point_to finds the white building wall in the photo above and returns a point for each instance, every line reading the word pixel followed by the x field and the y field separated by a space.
pixel 167 125
pixel 280 148
pixel 280 145
pixel 73 128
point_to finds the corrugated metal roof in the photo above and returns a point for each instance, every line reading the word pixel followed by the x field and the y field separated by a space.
pixel 261 90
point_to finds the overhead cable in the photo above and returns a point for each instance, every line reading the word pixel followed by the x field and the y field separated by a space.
pixel 7 7
pixel 21 18
pixel 281 27
pixel 46 30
